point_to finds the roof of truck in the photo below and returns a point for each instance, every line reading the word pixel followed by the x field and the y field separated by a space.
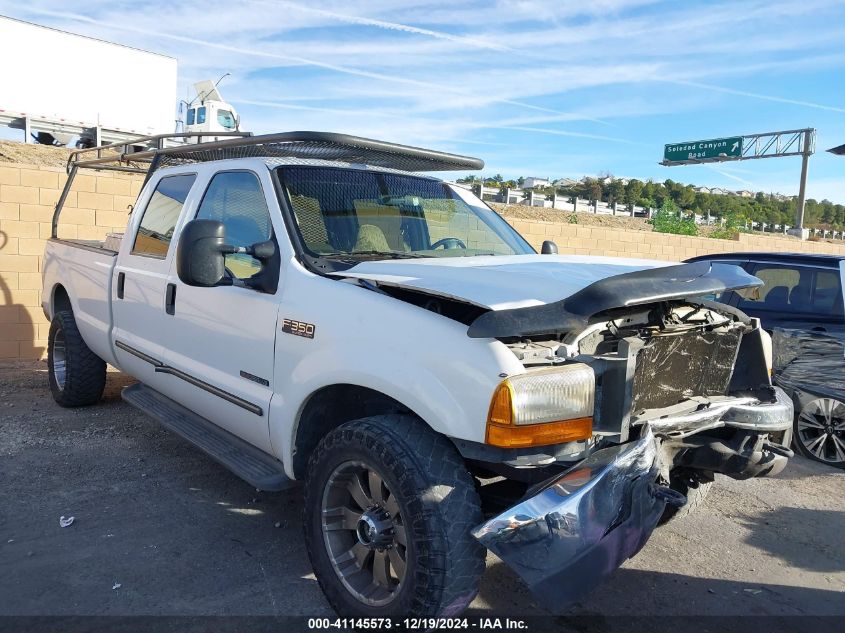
pixel 322 146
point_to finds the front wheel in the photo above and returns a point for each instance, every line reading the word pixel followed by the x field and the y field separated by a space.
pixel 389 506
pixel 694 486
pixel 77 375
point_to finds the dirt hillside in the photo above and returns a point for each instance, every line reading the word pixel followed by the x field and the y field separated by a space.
pixel 31 154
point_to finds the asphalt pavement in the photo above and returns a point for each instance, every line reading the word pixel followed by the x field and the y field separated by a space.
pixel 161 529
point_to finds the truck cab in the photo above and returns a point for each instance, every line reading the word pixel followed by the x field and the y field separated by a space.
pixel 209 112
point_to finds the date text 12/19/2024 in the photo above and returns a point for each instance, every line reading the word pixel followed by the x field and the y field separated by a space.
pixel 418 624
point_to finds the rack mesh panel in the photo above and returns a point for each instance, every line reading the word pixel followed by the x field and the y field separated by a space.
pixel 321 146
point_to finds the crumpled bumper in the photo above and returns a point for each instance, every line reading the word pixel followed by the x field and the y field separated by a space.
pixel 572 534
pixel 698 415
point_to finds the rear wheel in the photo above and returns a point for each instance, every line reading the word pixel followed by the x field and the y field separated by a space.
pixel 819 431
pixel 77 375
pixel 389 506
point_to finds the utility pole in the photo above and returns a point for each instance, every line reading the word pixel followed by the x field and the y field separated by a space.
pixel 802 189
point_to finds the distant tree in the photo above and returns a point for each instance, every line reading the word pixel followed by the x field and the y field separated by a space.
pixel 594 189
pixel 685 196
pixel 633 192
pixel 520 181
pixel 615 190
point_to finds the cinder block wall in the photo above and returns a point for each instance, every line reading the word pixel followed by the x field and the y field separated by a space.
pixel 98 204
pixel 599 240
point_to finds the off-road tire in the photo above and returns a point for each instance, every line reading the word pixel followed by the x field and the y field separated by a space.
pixel 85 372
pixel 439 505
pixel 695 491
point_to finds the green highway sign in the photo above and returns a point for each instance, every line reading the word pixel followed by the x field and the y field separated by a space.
pixel 697 151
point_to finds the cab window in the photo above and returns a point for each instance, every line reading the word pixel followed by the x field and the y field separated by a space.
pixel 192 116
pixel 160 216
pixel 201 115
pixel 237 200
pixel 226 119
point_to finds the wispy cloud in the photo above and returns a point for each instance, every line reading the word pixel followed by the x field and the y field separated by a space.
pixel 726 174
pixel 390 26
pixel 296 59
pixel 755 95
pixel 609 80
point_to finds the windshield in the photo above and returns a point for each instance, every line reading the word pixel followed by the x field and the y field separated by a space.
pixel 353 214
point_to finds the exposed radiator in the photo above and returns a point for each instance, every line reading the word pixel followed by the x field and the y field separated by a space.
pixel 672 367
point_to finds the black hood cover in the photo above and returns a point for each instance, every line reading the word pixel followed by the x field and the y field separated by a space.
pixel 629 289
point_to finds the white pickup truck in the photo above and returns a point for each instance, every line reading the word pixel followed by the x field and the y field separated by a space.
pixel 311 307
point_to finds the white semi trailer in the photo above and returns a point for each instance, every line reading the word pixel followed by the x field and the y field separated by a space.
pixel 68 85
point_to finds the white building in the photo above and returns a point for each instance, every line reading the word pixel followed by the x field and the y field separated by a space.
pixel 532 181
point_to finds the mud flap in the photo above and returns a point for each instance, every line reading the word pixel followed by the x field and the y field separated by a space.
pixel 569 536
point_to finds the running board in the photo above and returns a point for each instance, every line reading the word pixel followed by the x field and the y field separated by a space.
pixel 246 461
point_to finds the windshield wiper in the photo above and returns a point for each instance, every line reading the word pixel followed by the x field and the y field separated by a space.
pixel 382 254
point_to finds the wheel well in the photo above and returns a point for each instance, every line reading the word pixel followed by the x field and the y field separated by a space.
pixel 61 300
pixel 330 407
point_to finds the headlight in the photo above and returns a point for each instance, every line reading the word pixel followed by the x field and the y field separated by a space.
pixel 543 407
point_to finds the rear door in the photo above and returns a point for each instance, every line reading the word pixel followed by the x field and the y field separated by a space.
pixel 139 282
pixel 220 341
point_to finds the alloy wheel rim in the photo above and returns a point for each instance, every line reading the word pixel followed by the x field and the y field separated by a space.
pixel 364 533
pixel 59 363
pixel 821 429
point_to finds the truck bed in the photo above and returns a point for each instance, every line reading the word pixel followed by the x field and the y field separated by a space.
pixel 84 269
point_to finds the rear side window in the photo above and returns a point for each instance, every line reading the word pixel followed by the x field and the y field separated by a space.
pixel 236 199
pixel 161 214
pixel 796 289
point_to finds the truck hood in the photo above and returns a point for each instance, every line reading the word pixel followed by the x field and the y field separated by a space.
pixel 501 282
pixel 529 295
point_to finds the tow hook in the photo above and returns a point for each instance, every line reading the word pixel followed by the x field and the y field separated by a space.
pixel 778 449
pixel 666 494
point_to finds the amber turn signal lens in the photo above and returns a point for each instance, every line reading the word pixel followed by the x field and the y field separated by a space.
pixel 501 406
pixel 542 434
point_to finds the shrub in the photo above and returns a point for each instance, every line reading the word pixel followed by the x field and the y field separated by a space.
pixel 733 226
pixel 666 220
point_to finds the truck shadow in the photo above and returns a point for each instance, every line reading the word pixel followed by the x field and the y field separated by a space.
pixel 17 330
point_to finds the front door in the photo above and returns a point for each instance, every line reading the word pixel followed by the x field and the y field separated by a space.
pixel 220 340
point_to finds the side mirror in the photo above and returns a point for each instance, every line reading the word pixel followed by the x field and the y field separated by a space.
pixel 200 254
pixel 549 248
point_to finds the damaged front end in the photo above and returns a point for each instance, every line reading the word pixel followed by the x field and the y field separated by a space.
pixel 572 532
pixel 683 390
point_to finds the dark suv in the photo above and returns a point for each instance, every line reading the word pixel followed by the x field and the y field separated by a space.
pixel 801 306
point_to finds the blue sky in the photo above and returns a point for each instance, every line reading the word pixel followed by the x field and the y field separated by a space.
pixel 553 88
